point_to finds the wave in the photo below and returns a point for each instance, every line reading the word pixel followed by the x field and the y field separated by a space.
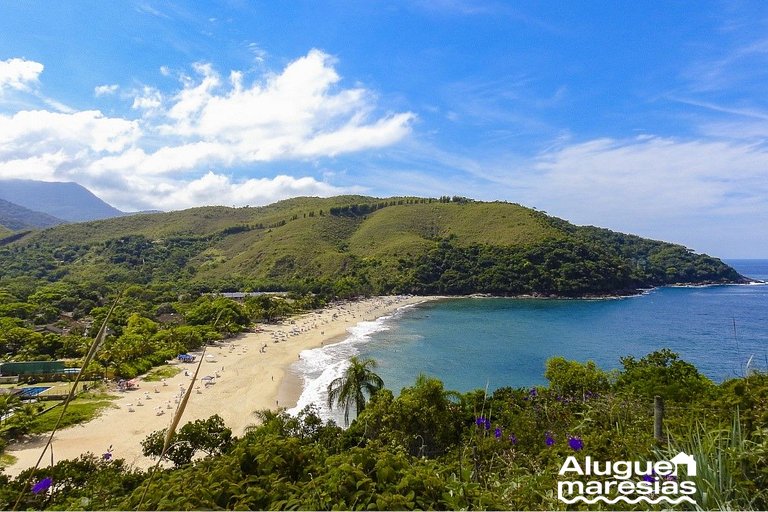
pixel 318 367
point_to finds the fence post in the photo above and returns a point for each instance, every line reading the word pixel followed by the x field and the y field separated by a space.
pixel 658 418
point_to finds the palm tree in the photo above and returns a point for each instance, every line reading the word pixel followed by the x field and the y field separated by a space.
pixel 7 403
pixel 351 387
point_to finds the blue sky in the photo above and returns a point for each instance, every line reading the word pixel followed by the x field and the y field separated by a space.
pixel 643 117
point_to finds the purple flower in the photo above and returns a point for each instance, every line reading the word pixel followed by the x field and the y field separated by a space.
pixel 649 477
pixel 106 456
pixel 549 439
pixel 480 421
pixel 575 443
pixel 42 485
pixel 533 392
pixel 487 424
pixel 512 438
pixel 497 433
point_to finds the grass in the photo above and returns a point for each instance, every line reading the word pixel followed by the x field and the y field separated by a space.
pixel 721 455
pixel 62 388
pixel 497 223
pixel 160 373
pixel 6 459
pixel 81 410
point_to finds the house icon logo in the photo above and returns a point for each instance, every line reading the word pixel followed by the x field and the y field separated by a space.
pixel 683 459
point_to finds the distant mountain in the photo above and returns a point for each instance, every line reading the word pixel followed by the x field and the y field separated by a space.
pixel 68 201
pixel 16 218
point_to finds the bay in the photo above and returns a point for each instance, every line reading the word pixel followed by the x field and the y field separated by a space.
pixel 471 343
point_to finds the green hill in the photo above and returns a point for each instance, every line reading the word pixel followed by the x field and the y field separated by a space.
pixel 355 244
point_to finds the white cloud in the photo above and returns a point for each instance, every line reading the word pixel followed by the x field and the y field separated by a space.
pixel 656 187
pixel 160 158
pixel 19 74
pixel 651 175
pixel 31 132
pixel 42 166
pixel 259 54
pixel 166 160
pixel 298 113
pixel 353 137
pixel 148 99
pixel 215 189
pixel 290 114
pixel 105 90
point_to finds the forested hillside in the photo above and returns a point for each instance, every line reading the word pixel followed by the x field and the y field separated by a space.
pixel 16 218
pixel 352 245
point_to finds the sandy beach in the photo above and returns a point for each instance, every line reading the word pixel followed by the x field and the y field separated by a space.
pixel 247 372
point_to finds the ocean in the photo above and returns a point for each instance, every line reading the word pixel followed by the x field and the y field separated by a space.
pixel 471 343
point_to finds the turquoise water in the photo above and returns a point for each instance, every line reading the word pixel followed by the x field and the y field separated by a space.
pixel 472 342
pixel 469 343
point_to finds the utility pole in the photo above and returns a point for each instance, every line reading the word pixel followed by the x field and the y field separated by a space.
pixel 658 419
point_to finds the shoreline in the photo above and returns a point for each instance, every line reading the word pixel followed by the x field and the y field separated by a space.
pixel 618 295
pixel 292 384
pixel 250 372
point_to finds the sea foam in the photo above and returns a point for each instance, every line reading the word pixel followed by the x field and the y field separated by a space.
pixel 318 367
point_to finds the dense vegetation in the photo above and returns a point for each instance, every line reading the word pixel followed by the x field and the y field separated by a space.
pixel 150 325
pixel 428 448
pixel 353 245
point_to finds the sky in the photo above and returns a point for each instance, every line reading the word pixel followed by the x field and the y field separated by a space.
pixel 643 117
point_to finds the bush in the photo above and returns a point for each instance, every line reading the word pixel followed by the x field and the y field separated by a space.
pixel 663 373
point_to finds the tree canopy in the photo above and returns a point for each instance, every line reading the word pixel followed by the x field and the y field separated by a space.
pixel 429 448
